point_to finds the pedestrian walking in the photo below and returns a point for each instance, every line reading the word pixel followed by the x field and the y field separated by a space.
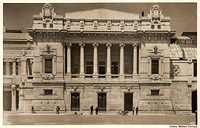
pixel 133 110
pixel 136 110
pixel 32 110
pixel 91 109
pixel 57 110
pixel 97 110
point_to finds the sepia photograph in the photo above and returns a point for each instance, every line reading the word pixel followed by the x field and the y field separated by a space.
pixel 100 64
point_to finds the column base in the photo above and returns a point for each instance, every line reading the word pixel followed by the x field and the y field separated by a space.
pixel 121 76
pixel 95 75
pixel 68 75
pixel 108 75
pixel 135 74
pixel 82 75
pixel 13 109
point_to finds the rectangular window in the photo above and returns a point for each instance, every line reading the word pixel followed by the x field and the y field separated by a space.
pixel 159 26
pixel 44 25
pixel 102 101
pixel 155 66
pixel 48 91
pixel 18 68
pixel 29 67
pixel 75 101
pixel 152 26
pixel 48 65
pixel 102 67
pixel 114 68
pixel 195 69
pixel 155 92
pixel 51 25
pixel 89 67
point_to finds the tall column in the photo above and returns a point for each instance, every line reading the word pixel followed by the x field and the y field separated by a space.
pixel 135 58
pixel 14 67
pixel 108 69
pixel 82 59
pixel 23 67
pixel 7 67
pixel 13 88
pixel 121 59
pixel 95 61
pixel 69 59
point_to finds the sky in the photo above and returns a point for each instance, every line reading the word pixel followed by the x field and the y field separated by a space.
pixel 183 15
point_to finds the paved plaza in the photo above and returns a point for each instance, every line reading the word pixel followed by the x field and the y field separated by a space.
pixel 66 119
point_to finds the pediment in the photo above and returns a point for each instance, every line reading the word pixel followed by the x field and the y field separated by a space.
pixel 101 14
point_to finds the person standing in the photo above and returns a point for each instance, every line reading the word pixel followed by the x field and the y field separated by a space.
pixel 97 110
pixel 133 110
pixel 32 110
pixel 57 110
pixel 136 110
pixel 91 109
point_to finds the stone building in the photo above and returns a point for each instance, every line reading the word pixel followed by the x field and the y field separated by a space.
pixel 109 59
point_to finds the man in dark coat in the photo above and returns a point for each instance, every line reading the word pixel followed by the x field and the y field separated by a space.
pixel 97 110
pixel 136 110
pixel 91 109
pixel 32 110
pixel 57 110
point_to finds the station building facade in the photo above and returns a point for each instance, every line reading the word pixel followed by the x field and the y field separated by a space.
pixel 109 59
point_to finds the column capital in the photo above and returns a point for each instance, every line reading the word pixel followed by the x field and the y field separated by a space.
pixel 122 44
pixel 68 44
pixel 82 44
pixel 23 59
pixel 7 60
pixel 95 44
pixel 18 60
pixel 13 87
pixel 13 58
pixel 108 44
pixel 135 44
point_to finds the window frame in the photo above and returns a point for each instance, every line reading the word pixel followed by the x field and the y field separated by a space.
pixel 155 92
pixel 89 66
pixel 27 67
pixel 49 57
pixel 48 94
pixel 158 60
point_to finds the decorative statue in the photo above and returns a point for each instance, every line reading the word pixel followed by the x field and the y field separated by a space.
pixel 155 11
pixel 47 11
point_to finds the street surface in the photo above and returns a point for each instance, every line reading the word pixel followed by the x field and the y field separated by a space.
pixel 63 119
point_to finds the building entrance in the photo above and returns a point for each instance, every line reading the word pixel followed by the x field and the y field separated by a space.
pixel 17 100
pixel 7 101
pixel 75 101
pixel 128 101
pixel 102 101
pixel 194 101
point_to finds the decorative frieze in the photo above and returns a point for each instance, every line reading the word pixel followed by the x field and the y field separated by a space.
pixel 155 77
pixel 176 69
pixel 109 24
pixel 68 24
pixel 82 24
pixel 48 76
pixel 95 24
pixel 122 25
